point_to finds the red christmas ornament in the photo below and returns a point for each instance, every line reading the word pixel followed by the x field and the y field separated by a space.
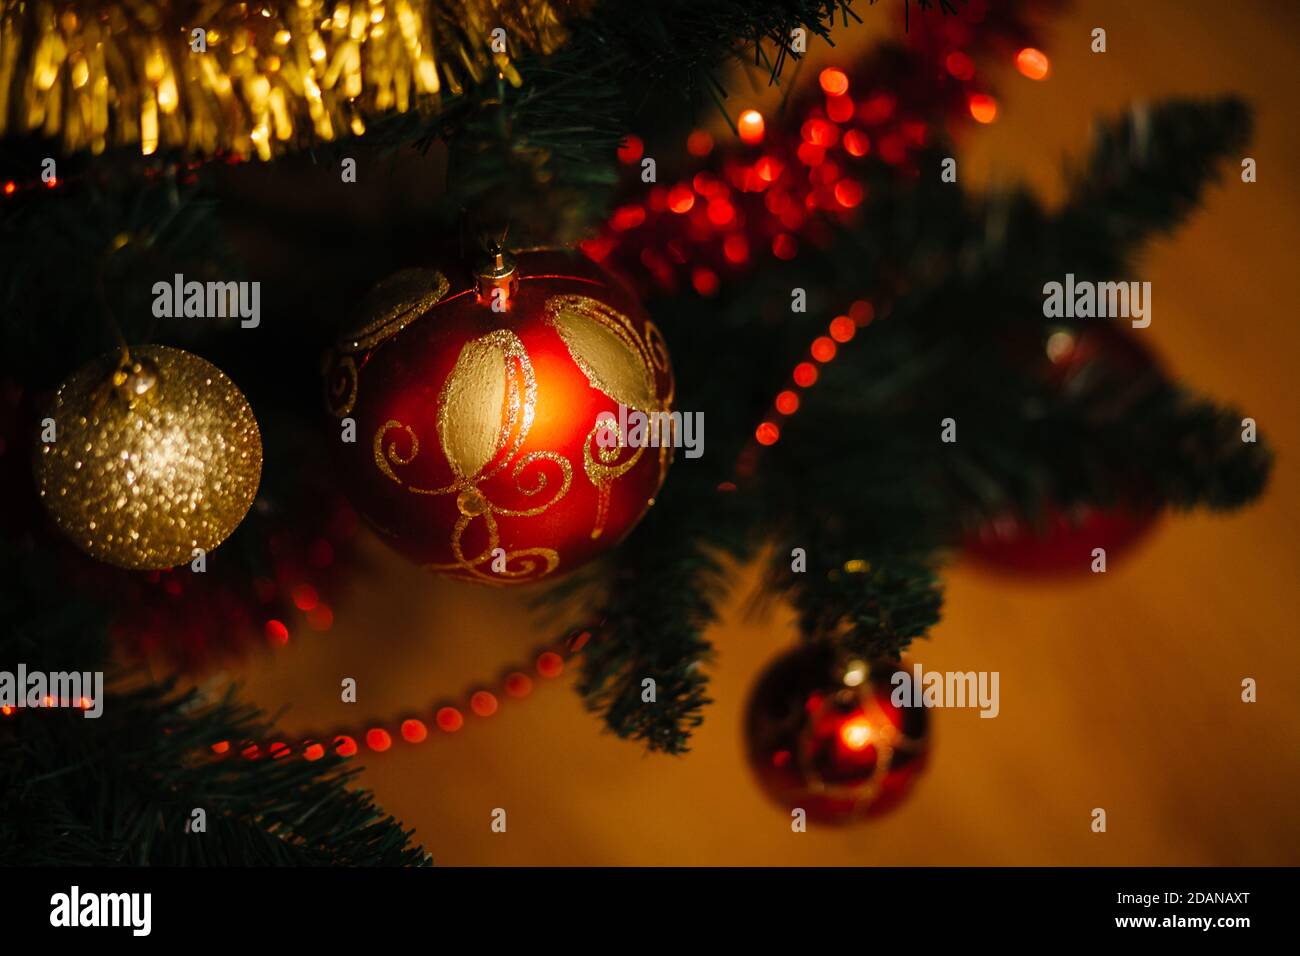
pixel 504 419
pixel 1061 540
pixel 825 736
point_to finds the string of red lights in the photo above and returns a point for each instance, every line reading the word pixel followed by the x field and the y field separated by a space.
pixel 183 171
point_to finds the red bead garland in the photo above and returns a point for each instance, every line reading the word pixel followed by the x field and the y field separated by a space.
pixel 380 738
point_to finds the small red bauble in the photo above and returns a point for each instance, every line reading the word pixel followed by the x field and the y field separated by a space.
pixel 827 738
pixel 1062 543
pixel 490 410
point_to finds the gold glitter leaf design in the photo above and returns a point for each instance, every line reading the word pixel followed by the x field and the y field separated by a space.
pixel 474 399
pixel 621 363
pixel 393 304
pixel 481 405
pixel 604 344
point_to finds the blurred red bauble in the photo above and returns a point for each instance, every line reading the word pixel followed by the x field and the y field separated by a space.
pixel 297 562
pixel 825 737
pixel 490 408
pixel 1061 540
pixel 1063 354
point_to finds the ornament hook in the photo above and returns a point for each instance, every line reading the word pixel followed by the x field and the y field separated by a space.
pixel 496 278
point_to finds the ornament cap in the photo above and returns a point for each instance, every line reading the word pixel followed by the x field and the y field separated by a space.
pixel 135 379
pixel 853 672
pixel 497 271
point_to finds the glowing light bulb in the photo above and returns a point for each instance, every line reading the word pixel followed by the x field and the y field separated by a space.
pixel 834 82
pixel 1033 63
pixel 630 150
pixel 699 143
pixel 751 126
pixel 1059 346
pixel 959 65
pixel 983 107
pixel 414 731
pixel 856 733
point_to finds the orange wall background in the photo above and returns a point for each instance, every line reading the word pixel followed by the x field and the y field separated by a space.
pixel 1119 691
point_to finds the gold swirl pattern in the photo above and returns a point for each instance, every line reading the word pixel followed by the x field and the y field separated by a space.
pixel 340 384
pixel 604 467
pixel 382 457
pixel 492 373
pixel 566 472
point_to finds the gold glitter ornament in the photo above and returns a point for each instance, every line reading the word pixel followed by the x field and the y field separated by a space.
pixel 154 453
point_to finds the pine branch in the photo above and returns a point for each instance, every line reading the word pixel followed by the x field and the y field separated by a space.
pixel 541 157
pixel 660 590
pixel 1146 174
pixel 873 607
pixel 859 479
pixel 73 262
pixel 120 789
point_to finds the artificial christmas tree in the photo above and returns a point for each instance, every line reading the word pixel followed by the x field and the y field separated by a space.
pixel 842 312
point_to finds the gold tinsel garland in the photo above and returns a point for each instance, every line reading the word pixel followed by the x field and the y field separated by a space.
pixel 274 74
